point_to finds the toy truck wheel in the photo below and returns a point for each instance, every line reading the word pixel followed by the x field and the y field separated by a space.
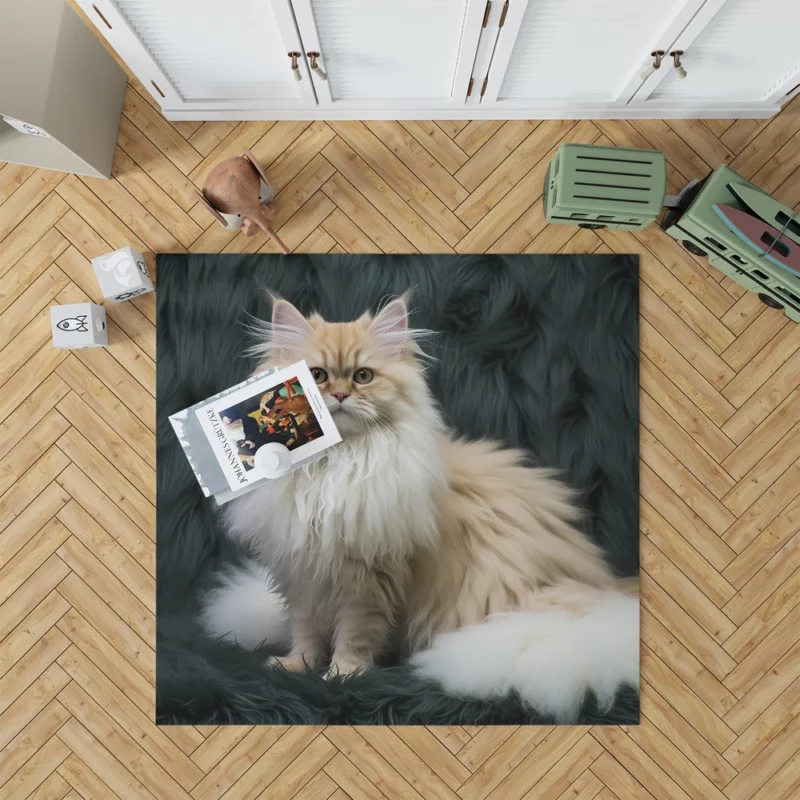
pixel 769 301
pixel 693 248
pixel 592 226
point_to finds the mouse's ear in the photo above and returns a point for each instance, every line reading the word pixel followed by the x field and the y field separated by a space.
pixel 248 154
pixel 213 211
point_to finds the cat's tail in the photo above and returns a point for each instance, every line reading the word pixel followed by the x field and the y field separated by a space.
pixel 246 609
pixel 575 639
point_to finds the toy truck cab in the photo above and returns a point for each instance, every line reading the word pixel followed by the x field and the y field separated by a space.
pixel 700 230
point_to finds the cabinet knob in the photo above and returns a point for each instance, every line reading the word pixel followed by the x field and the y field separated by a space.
pixel 676 60
pixel 657 56
pixel 295 66
pixel 315 68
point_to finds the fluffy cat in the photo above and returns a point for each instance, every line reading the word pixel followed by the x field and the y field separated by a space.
pixel 458 548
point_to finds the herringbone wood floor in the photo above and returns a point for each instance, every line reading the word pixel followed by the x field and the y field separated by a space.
pixel 720 470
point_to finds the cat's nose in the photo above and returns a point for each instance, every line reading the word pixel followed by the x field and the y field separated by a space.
pixel 341 396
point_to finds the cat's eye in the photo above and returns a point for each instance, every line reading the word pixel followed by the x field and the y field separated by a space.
pixel 363 375
pixel 319 375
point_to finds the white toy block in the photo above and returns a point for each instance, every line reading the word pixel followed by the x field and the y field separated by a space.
pixel 122 275
pixel 78 325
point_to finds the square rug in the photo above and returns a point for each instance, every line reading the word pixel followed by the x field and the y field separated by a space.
pixel 551 341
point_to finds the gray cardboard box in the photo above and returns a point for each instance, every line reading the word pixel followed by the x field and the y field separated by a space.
pixel 78 325
pixel 56 77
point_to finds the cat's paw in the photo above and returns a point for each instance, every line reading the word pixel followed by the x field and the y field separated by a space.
pixel 291 663
pixel 346 666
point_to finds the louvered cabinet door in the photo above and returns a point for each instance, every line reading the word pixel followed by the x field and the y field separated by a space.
pixel 390 54
pixel 735 51
pixel 225 55
pixel 578 54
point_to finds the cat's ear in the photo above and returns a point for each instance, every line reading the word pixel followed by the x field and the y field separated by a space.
pixel 290 329
pixel 390 326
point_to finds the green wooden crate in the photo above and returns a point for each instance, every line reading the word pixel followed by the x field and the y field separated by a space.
pixel 701 231
pixel 605 187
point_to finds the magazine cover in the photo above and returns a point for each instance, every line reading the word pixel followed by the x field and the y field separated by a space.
pixel 221 436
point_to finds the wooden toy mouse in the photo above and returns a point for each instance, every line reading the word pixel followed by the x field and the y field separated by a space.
pixel 237 193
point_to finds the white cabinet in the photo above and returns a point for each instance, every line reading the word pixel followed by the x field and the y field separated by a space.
pixel 208 54
pixel 564 52
pixel 415 53
pixel 739 51
pixel 430 59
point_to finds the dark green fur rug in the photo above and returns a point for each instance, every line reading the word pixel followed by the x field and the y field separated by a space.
pixel 552 340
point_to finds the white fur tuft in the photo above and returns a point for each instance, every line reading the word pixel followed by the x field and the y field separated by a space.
pixel 246 609
pixel 550 656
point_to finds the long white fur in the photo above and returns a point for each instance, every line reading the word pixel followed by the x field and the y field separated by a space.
pixel 328 509
pixel 552 656
pixel 245 609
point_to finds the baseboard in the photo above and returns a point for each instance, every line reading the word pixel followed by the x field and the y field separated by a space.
pixel 706 111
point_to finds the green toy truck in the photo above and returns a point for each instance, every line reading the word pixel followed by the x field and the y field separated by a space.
pixel 701 231
pixel 605 187
pixel 593 186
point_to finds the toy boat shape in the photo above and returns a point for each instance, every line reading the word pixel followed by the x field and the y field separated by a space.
pixel 764 239
pixel 767 208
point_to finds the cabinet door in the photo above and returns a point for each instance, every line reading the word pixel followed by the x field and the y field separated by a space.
pixel 735 51
pixel 206 53
pixel 390 55
pixel 578 53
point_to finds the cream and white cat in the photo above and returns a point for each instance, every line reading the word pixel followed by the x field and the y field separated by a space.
pixel 469 554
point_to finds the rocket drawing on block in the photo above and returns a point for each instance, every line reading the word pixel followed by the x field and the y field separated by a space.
pixel 122 274
pixel 73 324
pixel 78 325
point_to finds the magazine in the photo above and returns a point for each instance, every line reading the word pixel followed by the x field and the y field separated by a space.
pixel 222 436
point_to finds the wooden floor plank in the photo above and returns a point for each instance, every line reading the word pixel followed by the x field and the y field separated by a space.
pixel 686 413
pixel 772 611
pixel 163 208
pixel 31 629
pixel 699 715
pixel 31 266
pixel 12 176
pixel 437 143
pixel 353 204
pixel 685 593
pixel 98 759
pixel 502 180
pixel 681 445
pixel 38 769
pixel 160 132
pixel 774 719
pixel 681 553
pixel 209 135
pixel 31 230
pixel 97 612
pixel 491 154
pixel 663 717
pixel 421 217
pixel 771 395
pixel 20 204
pixel 142 151
pixel 419 161
pixel 120 744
